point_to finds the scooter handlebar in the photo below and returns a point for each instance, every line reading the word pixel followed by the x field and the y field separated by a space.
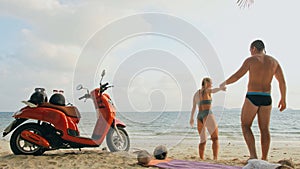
pixel 104 87
pixel 84 97
pixel 80 98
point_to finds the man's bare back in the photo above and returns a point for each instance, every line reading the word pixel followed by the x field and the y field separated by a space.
pixel 261 71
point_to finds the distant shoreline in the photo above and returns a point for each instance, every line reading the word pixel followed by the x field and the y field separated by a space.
pixel 214 108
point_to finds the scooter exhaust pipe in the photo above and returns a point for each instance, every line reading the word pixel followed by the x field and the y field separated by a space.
pixel 35 139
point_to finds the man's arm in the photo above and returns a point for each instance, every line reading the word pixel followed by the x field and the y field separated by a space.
pixel 282 87
pixel 238 74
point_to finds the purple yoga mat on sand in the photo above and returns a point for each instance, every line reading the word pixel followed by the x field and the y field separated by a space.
pixel 181 164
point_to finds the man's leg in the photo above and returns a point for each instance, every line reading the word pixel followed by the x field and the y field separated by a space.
pixel 249 111
pixel 263 116
pixel 212 128
pixel 202 134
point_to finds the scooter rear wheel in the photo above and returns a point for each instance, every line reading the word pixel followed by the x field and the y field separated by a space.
pixel 20 146
pixel 115 143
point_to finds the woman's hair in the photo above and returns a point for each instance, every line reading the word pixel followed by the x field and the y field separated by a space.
pixel 258 44
pixel 204 82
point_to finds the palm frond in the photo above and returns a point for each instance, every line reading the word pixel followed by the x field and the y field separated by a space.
pixel 244 3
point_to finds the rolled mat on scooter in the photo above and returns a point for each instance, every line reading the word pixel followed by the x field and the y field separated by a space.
pixel 182 164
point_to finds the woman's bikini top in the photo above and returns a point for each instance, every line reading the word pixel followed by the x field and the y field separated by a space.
pixel 202 102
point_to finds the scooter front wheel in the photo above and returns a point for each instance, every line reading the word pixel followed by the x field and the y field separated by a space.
pixel 20 146
pixel 114 142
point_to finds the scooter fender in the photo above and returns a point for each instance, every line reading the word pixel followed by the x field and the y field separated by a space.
pixel 13 125
pixel 35 139
pixel 118 122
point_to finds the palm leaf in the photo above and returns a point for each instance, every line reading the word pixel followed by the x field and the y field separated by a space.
pixel 244 3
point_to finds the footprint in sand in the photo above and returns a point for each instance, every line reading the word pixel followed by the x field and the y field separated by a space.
pixel 57 157
pixel 3 165
pixel 52 162
pixel 235 159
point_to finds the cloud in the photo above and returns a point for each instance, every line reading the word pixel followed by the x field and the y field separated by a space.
pixel 48 47
pixel 40 55
pixel 56 32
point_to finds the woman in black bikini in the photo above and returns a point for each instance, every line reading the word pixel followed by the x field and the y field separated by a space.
pixel 205 118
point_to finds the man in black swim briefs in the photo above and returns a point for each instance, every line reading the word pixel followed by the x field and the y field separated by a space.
pixel 262 68
pixel 259 98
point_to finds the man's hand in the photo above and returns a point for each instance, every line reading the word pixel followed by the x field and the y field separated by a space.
pixel 282 105
pixel 222 85
pixel 223 88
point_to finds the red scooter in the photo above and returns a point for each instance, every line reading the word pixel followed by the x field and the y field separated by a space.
pixel 56 124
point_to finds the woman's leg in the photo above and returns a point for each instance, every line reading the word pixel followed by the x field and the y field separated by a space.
pixel 202 134
pixel 212 128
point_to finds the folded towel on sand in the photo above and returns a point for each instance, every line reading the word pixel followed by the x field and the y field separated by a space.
pixel 182 164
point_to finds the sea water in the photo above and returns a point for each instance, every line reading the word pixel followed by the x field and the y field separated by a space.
pixel 171 127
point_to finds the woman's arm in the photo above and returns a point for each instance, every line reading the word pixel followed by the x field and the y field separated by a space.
pixel 215 90
pixel 193 111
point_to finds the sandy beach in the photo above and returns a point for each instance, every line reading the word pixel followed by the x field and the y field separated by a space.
pixel 231 153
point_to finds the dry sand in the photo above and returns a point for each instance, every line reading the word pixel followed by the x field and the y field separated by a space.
pixel 231 153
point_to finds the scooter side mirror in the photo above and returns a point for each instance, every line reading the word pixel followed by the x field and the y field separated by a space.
pixel 79 87
pixel 103 73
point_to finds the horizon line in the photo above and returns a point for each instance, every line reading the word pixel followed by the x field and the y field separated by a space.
pixel 170 110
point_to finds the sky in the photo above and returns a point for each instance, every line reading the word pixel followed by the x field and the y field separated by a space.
pixel 155 53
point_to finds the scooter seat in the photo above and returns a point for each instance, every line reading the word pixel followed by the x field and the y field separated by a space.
pixel 71 111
